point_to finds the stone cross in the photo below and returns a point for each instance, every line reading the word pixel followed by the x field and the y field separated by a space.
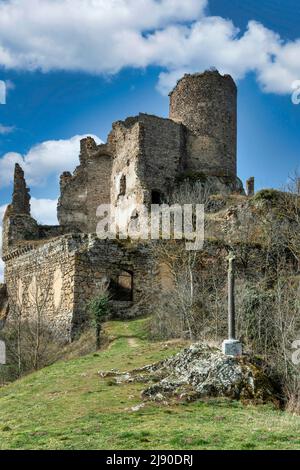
pixel 231 346
pixel 231 300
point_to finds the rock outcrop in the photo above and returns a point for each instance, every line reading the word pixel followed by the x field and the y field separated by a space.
pixel 201 371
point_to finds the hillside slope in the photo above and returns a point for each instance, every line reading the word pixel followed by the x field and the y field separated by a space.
pixel 68 406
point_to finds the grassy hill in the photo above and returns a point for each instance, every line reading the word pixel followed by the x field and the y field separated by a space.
pixel 68 406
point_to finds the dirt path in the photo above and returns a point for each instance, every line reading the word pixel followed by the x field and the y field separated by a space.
pixel 132 342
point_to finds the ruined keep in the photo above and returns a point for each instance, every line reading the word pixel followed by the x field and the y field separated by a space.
pixel 144 161
pixel 206 104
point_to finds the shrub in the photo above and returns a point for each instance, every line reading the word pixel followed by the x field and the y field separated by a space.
pixel 268 195
pixel 99 309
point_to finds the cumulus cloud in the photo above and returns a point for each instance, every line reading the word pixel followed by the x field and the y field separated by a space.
pixel 46 159
pixel 43 210
pixel 97 36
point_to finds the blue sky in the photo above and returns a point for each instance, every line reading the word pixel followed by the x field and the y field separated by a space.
pixel 81 83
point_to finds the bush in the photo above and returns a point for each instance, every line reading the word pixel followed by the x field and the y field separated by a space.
pixel 99 310
pixel 268 195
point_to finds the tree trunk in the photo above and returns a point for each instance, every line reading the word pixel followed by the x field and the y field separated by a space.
pixel 98 333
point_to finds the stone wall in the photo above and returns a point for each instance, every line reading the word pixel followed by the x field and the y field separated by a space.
pixel 61 276
pixel 99 185
pixel 148 155
pixel 162 154
pixel 126 189
pixel 20 198
pixel 101 264
pixel 43 279
pixel 86 189
pixel 71 209
pixel 17 230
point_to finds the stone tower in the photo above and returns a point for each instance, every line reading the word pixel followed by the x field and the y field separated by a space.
pixel 206 103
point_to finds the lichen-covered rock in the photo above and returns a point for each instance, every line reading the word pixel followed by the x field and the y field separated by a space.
pixel 203 371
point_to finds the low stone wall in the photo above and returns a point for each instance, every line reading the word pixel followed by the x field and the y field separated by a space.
pixel 59 278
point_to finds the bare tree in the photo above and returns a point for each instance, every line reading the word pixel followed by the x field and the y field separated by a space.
pixel 290 205
pixel 38 297
pixel 181 266
pixel 190 192
pixel 30 343
pixel 15 346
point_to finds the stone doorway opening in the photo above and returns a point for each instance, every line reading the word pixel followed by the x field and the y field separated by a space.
pixel 121 287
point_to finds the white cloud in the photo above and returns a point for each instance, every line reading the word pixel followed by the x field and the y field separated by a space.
pixel 43 210
pixel 2 92
pixel 47 159
pixel 6 129
pixel 5 86
pixel 97 36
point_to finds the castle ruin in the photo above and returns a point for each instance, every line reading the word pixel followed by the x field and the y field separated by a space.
pixel 144 161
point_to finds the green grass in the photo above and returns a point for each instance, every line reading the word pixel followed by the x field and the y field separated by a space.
pixel 68 406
